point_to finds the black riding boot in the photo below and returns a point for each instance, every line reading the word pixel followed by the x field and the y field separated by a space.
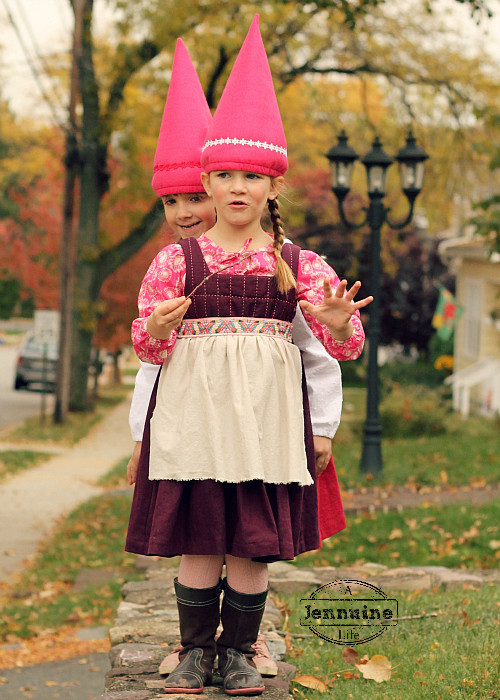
pixel 199 616
pixel 241 615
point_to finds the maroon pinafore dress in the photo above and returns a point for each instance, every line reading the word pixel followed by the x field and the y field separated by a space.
pixel 251 519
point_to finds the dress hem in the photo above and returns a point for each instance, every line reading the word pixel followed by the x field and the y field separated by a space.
pixel 227 481
pixel 168 553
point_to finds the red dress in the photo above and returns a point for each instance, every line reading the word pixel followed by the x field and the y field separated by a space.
pixel 330 511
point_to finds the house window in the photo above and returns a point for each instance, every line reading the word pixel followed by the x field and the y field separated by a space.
pixel 472 317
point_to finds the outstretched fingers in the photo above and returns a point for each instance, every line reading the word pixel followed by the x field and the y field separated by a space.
pixel 363 302
pixel 351 293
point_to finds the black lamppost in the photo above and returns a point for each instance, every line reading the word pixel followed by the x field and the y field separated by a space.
pixel 411 163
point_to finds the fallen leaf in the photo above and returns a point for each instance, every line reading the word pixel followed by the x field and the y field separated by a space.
pixel 472 532
pixel 467 619
pixel 378 668
pixel 350 656
pixel 413 594
pixel 350 674
pixel 396 534
pixel 494 544
pixel 312 682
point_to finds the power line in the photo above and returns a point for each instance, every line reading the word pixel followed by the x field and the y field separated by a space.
pixel 33 68
pixel 38 53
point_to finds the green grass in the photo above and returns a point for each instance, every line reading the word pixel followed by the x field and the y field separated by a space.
pixel 129 371
pixel 14 461
pixel 452 655
pixel 466 453
pixel 76 427
pixel 116 478
pixel 457 536
pixel 92 537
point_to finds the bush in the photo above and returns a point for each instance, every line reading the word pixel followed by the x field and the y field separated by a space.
pixel 413 411
pixel 9 296
pixel 353 373
pixel 418 372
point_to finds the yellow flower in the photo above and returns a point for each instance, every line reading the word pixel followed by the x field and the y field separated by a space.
pixel 444 362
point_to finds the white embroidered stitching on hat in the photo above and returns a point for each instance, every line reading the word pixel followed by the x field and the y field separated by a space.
pixel 246 142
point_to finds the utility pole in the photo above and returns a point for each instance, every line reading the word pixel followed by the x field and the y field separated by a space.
pixel 68 241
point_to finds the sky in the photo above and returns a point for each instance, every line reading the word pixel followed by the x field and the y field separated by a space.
pixel 45 26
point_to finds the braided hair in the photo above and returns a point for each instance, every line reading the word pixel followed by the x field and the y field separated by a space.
pixel 283 273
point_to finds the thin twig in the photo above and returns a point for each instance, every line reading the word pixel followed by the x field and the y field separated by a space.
pixel 205 279
pixel 372 623
pixel 415 617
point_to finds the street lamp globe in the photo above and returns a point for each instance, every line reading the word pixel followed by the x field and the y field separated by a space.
pixel 342 158
pixel 376 162
pixel 411 160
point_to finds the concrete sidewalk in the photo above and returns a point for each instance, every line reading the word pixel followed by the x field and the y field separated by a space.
pixel 30 502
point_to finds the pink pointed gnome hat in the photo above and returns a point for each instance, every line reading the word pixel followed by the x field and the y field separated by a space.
pixel 246 131
pixel 186 119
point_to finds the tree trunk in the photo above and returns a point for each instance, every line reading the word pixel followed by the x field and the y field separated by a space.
pixel 94 263
pixel 91 191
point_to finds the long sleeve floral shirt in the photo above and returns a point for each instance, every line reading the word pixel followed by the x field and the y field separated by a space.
pixel 166 277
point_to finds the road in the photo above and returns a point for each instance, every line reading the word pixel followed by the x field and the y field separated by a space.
pixel 16 406
pixel 81 678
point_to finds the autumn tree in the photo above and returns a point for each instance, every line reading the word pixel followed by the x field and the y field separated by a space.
pixel 30 213
pixel 487 209
pixel 308 42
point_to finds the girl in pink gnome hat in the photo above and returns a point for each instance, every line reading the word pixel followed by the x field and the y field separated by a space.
pixel 230 483
pixel 189 212
pixel 177 181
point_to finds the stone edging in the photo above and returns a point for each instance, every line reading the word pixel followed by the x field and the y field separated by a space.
pixel 146 627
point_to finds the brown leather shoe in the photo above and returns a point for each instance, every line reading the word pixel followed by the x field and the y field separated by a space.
pixel 240 678
pixel 189 676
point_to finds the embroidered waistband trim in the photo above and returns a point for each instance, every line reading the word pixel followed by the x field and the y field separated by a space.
pixel 232 326
pixel 245 142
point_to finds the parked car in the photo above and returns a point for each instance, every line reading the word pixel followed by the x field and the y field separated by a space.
pixel 30 370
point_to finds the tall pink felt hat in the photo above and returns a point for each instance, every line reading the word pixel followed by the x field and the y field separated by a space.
pixel 246 132
pixel 186 119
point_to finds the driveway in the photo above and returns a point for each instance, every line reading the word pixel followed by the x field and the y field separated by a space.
pixel 17 406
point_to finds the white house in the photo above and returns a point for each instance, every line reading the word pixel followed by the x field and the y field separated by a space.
pixel 476 377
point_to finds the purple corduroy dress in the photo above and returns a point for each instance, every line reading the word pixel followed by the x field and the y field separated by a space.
pixel 252 519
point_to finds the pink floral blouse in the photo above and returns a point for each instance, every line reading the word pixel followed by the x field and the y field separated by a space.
pixel 166 277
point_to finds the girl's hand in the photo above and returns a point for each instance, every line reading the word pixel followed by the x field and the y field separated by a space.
pixel 322 452
pixel 133 464
pixel 167 316
pixel 336 310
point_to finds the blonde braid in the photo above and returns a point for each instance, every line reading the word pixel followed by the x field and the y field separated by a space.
pixel 284 275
